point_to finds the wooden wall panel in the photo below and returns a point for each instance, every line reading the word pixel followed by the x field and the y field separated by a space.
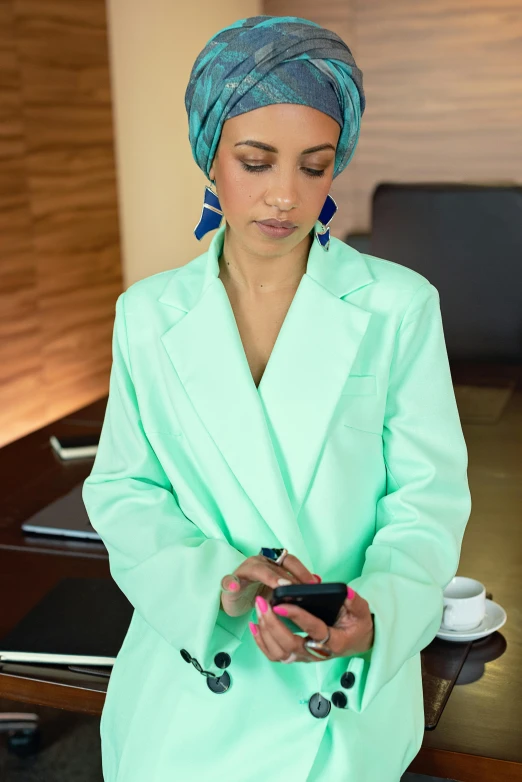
pixel 21 404
pixel 443 82
pixel 66 167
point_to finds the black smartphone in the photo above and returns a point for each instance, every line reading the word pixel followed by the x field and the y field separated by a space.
pixel 321 600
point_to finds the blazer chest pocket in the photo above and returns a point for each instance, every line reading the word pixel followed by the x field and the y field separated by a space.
pixel 168 427
pixel 360 408
pixel 159 433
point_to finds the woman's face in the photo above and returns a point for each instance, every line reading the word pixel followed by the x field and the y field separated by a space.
pixel 264 170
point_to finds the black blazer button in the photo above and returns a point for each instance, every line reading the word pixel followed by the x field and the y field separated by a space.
pixel 339 699
pixel 186 656
pixel 219 684
pixel 319 706
pixel 222 660
pixel 347 680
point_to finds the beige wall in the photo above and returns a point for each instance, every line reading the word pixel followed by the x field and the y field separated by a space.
pixel 160 188
pixel 443 84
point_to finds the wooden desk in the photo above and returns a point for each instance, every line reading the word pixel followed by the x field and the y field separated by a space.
pixel 32 476
pixel 25 576
pixel 479 736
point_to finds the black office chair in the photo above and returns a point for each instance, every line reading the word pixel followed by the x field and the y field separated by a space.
pixel 359 241
pixel 467 240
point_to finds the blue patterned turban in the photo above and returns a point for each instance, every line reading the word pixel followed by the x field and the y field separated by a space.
pixel 273 59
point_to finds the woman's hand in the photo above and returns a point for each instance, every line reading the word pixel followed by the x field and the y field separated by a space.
pixel 352 633
pixel 258 576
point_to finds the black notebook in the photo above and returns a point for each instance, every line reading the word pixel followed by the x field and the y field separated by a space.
pixel 81 621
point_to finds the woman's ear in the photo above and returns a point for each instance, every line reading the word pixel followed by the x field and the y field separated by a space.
pixel 212 173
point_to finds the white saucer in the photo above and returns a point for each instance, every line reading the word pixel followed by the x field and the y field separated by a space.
pixel 494 619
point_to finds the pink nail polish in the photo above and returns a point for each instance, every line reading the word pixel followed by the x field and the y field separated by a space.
pixel 262 604
pixel 254 628
pixel 233 585
pixel 319 579
pixel 351 593
pixel 280 610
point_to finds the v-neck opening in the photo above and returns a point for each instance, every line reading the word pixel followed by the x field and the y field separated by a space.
pixel 257 388
pixel 315 268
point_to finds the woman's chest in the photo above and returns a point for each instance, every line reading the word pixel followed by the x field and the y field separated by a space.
pixel 307 441
pixel 259 321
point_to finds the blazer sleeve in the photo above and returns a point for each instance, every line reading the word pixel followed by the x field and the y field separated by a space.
pixel 421 520
pixel 167 568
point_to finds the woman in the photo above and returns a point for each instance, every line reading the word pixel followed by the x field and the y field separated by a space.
pixel 279 407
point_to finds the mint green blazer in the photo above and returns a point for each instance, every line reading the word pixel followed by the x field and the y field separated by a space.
pixel 350 454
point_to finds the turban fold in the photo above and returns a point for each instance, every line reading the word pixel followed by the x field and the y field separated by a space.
pixel 273 59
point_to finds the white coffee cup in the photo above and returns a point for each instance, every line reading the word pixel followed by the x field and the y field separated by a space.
pixel 464 604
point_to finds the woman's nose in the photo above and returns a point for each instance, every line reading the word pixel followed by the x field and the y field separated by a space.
pixel 282 194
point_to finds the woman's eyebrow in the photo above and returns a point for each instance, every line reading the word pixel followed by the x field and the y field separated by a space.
pixel 269 148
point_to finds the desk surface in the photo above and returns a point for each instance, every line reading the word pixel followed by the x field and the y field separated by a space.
pixel 479 736
pixel 484 717
pixel 32 475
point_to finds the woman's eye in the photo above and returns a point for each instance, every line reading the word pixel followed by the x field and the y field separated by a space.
pixel 254 168
pixel 314 172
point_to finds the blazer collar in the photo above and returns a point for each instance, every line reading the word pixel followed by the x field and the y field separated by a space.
pixel 340 271
pixel 271 436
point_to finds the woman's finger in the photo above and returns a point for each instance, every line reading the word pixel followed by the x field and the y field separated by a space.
pixel 257 575
pixel 355 605
pixel 314 627
pixel 258 568
pixel 239 591
pixel 275 640
pixel 230 583
pixel 294 566
pixel 237 594
pixel 356 623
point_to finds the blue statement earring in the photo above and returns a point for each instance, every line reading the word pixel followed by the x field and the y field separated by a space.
pixel 211 214
pixel 327 213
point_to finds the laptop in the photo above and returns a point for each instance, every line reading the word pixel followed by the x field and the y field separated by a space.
pixel 65 517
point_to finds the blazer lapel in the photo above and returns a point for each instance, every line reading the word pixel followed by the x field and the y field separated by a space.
pixel 206 350
pixel 271 437
pixel 311 361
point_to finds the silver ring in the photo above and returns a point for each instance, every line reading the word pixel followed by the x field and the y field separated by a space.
pixel 291 659
pixel 318 648
pixel 275 555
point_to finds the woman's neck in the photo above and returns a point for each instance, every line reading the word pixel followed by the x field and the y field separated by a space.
pixel 251 273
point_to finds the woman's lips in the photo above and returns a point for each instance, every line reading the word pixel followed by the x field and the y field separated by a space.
pixel 274 232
